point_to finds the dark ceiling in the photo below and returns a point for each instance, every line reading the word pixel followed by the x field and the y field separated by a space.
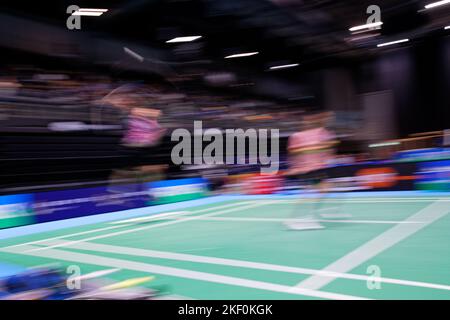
pixel 313 33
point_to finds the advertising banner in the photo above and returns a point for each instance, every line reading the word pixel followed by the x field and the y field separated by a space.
pixel 434 175
pixel 65 204
pixel 262 184
pixel 375 177
pixel 429 154
pixel 170 191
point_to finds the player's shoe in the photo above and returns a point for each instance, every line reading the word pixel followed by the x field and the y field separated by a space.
pixel 335 215
pixel 307 223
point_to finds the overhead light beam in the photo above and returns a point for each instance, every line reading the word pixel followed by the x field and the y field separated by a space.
pixel 183 39
pixel 437 4
pixel 392 42
pixel 89 12
pixel 240 55
pixel 366 26
pixel 284 66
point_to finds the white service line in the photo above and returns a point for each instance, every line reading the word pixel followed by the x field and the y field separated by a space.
pixel 153 217
pixel 96 247
pixel 299 219
pixel 234 204
pixel 384 241
pixel 176 272
pixel 153 226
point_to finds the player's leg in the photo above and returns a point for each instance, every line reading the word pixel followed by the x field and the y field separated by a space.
pixel 304 215
pixel 324 209
pixel 322 189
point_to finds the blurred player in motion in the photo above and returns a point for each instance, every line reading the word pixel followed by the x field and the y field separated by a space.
pixel 311 150
pixel 142 131
pixel 143 128
pixel 142 135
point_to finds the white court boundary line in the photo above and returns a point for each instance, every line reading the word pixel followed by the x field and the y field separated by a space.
pixel 380 243
pixel 177 272
pixel 239 263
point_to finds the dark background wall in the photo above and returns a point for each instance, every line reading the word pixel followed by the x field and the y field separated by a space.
pixel 419 79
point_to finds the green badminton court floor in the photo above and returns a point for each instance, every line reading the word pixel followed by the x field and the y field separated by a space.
pixel 371 248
